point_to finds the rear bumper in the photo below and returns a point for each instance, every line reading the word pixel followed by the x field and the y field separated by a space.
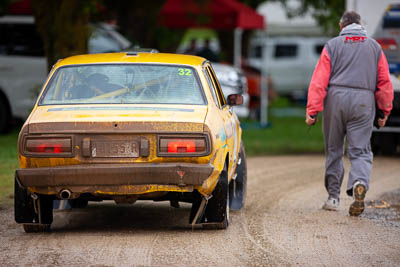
pixel 114 175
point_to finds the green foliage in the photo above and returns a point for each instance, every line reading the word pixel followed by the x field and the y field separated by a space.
pixel 287 135
pixel 280 102
pixel 8 165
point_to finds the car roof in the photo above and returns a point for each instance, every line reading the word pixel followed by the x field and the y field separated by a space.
pixel 132 57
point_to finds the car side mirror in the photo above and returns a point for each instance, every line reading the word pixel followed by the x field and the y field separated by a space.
pixel 235 99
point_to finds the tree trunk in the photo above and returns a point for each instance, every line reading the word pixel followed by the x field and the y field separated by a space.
pixel 63 26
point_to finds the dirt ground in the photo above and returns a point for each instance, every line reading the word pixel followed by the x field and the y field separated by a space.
pixel 281 224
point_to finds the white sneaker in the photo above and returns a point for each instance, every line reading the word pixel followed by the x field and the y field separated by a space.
pixel 331 204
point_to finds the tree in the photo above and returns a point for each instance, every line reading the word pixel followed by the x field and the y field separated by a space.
pixel 63 26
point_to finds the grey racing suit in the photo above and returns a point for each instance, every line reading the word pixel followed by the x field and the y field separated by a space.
pixel 344 85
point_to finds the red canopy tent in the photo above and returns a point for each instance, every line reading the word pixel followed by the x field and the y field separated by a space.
pixel 215 14
pixel 22 7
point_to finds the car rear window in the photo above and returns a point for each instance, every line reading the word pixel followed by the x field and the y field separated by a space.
pixel 123 84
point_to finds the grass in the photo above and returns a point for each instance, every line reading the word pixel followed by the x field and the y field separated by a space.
pixel 286 135
pixel 8 165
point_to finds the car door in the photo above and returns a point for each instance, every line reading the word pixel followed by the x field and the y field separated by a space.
pixel 230 121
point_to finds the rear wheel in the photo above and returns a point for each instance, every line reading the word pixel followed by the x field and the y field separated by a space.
pixel 238 187
pixel 217 210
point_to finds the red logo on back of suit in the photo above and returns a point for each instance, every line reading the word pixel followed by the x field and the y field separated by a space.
pixel 355 39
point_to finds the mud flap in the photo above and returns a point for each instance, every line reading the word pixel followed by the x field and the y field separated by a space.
pixel 31 208
pixel 24 211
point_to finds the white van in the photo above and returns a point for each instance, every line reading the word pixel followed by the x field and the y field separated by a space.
pixel 23 66
pixel 290 61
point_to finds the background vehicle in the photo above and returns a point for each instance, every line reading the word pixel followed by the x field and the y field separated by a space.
pixel 233 81
pixel 23 67
pixel 387 139
pixel 289 61
pixel 387 34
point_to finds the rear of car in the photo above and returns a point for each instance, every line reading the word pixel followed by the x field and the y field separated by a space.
pixel 126 127
pixel 78 122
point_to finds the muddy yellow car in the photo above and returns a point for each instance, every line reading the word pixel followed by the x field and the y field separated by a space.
pixel 131 126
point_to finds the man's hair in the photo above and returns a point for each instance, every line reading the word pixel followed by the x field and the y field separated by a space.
pixel 350 17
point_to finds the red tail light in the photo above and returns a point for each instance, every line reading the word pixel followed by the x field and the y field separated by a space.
pixel 387 44
pixel 182 146
pixel 48 146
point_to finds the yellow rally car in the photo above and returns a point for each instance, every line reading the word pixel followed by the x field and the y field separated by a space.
pixel 131 126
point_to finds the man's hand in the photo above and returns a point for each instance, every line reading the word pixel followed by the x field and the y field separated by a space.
pixel 382 122
pixel 311 119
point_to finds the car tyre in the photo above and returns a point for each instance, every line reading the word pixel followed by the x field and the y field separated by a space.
pixel 238 187
pixel 217 210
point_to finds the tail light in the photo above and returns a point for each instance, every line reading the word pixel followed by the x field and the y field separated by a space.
pixel 48 147
pixel 387 44
pixel 181 146
pixel 186 146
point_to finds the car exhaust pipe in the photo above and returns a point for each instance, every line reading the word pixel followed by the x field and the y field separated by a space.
pixel 65 194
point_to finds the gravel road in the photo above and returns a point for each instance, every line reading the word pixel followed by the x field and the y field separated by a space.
pixel 281 224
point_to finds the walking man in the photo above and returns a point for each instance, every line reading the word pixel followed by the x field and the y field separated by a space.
pixel 352 73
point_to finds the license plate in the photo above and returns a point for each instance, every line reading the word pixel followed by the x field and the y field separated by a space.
pixel 114 149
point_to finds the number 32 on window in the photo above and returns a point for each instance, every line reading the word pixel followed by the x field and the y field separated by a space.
pixel 186 72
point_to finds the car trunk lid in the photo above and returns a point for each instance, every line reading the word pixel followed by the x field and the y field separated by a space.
pixel 117 119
